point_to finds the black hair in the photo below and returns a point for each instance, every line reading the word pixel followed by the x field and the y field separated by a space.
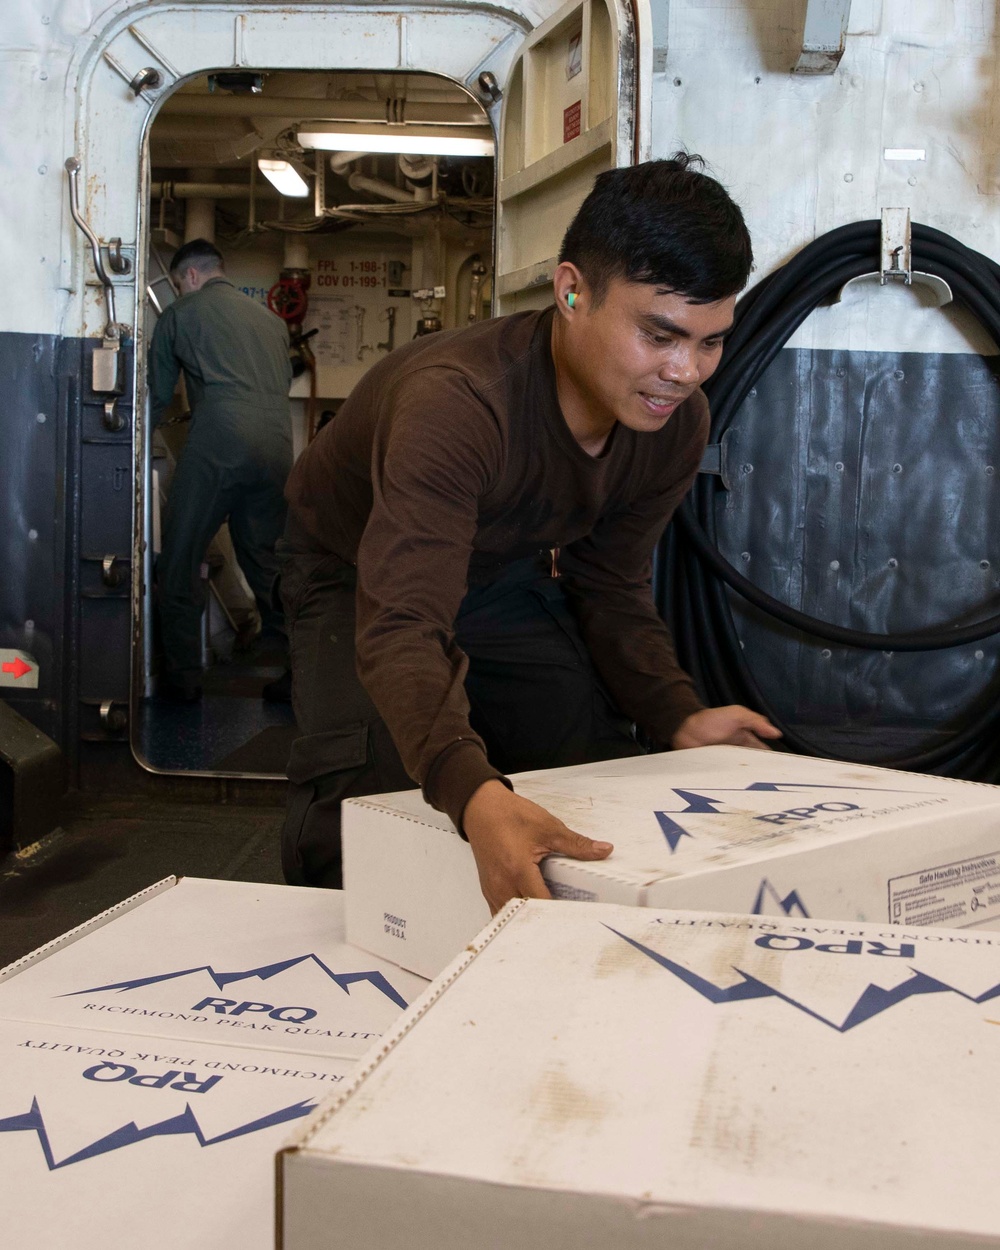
pixel 199 254
pixel 663 222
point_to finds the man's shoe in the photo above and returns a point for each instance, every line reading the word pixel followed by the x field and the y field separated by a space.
pixel 279 690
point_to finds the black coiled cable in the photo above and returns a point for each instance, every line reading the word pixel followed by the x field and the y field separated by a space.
pixel 693 574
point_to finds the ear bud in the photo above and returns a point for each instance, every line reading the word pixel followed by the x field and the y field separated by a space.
pixel 571 299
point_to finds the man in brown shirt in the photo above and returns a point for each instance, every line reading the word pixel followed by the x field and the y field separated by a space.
pixel 472 538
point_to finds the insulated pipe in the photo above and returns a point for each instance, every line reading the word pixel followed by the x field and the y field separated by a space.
pixel 378 186
pixel 296 253
pixel 339 161
pixel 315 108
pixel 199 212
pixel 207 190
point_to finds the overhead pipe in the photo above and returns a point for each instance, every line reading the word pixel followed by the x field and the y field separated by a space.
pixel 378 186
pixel 207 190
pixel 315 109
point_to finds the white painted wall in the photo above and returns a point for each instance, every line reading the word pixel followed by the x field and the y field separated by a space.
pixel 801 154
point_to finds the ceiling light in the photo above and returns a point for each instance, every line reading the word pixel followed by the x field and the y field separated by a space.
pixel 284 177
pixel 418 140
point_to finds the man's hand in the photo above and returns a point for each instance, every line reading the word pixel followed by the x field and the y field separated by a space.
pixel 734 726
pixel 510 836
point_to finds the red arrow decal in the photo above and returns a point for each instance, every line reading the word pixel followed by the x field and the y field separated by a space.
pixel 18 667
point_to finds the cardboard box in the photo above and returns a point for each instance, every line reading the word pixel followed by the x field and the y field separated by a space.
pixel 719 828
pixel 215 961
pixel 112 1141
pixel 592 1076
pixel 145 1083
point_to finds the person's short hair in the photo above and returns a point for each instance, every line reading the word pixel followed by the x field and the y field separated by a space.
pixel 665 223
pixel 197 254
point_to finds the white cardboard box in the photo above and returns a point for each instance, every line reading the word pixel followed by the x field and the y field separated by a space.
pixel 591 1077
pixel 719 828
pixel 215 961
pixel 112 1141
pixel 152 1059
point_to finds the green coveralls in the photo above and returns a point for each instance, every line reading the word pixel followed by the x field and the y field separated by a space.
pixel 234 354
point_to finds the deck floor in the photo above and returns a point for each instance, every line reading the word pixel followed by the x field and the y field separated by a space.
pixel 107 849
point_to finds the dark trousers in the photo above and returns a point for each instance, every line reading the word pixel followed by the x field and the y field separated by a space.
pixel 535 698
pixel 206 490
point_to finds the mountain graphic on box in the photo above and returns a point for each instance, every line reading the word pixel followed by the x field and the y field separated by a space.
pixel 221 979
pixel 872 1002
pixel 184 1124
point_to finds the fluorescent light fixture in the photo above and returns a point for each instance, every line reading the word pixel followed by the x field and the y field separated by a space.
pixel 418 140
pixel 284 177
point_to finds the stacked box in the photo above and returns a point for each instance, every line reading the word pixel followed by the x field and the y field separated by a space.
pixel 591 1076
pixel 152 1060
pixel 720 828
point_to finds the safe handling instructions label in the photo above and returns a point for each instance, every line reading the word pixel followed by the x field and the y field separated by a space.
pixel 952 895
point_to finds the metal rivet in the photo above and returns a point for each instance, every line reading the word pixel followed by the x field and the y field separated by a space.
pixel 897 468
pixel 911 182
pixel 43 76
pixel 841 373
pixel 989 470
pixel 40 418
pixel 32 535
pixel 744 555
pixel 333 637
pixel 839 466
pixel 757 79
pixel 918 87
pixel 979 655
pixel 893 562
pixel 43 169
pixel 834 564
pixel 677 82
pixel 898 374
pixel 46 19
pixel 746 468
pixel 752 393
pixel 984 564
pixel 29 625
pixel 848 177
pixel 826 653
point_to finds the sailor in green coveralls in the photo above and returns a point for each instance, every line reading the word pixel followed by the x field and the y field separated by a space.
pixel 234 355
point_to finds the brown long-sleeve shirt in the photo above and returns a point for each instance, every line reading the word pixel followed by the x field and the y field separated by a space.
pixel 451 456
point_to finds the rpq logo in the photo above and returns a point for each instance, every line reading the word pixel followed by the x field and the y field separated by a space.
pixel 108 1073
pixel 708 805
pixel 234 1007
pixel 873 1000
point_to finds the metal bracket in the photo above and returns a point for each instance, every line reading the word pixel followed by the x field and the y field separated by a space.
pixel 119 263
pixel 489 87
pixel 149 79
pixel 111 573
pixel 896 260
pixel 113 719
pixel 824 36
pixel 896 247
pixel 715 460
pixel 390 338
pixel 113 420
